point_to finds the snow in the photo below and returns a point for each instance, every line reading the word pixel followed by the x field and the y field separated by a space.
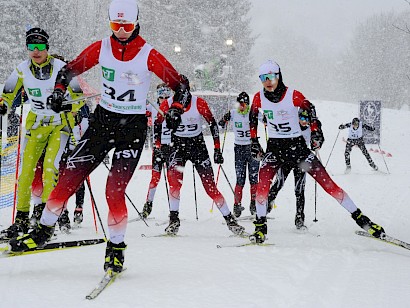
pixel 329 266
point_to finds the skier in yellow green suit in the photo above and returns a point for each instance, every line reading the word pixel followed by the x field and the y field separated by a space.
pixel 45 129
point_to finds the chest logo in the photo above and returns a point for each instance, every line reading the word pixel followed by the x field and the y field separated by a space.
pixel 108 73
pixel 238 124
pixel 34 92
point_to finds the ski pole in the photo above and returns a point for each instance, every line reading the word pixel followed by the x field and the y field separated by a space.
pixel 92 205
pixel 82 98
pixel 226 177
pixel 332 148
pixel 388 171
pixel 18 156
pixel 166 183
pixel 196 202
pixel 95 205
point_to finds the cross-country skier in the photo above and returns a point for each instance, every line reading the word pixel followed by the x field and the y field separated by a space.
pixel 298 173
pixel 188 144
pixel 355 137
pixel 242 148
pixel 159 158
pixel 46 129
pixel 119 122
pixel 286 145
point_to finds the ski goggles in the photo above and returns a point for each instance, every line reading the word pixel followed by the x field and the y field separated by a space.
pixel 39 47
pixel 269 76
pixel 127 27
pixel 303 118
pixel 164 92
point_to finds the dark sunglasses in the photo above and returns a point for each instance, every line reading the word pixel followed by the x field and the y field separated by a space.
pixel 269 76
pixel 39 47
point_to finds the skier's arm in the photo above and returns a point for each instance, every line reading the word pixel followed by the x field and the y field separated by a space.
pixel 87 59
pixel 12 88
pixel 368 127
pixel 75 92
pixel 343 126
pixel 204 110
pixel 163 69
pixel 317 137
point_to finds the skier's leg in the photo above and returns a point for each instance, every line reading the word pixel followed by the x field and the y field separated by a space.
pixel 57 142
pixel 86 156
pixel 348 149
pixel 240 170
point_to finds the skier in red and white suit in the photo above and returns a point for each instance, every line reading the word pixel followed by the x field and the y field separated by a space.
pixel 286 144
pixel 187 143
pixel 119 122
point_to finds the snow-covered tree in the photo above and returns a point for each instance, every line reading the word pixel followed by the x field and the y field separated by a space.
pixel 378 61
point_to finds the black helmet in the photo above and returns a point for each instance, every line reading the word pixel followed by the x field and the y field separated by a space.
pixel 243 98
pixel 355 121
pixel 37 36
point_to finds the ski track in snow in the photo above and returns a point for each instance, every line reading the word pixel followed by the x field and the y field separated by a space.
pixel 328 266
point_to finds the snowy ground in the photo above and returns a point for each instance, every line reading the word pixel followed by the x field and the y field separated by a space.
pixel 329 266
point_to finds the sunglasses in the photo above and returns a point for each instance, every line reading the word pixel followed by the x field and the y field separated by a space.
pixel 39 47
pixel 269 76
pixel 304 119
pixel 127 27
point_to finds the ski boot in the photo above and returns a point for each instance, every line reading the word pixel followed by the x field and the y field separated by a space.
pixel 373 165
pixel 174 223
pixel 37 211
pixel 366 224
pixel 114 257
pixel 252 207
pixel 147 209
pixel 261 229
pixel 36 238
pixel 300 221
pixel 78 216
pixel 64 222
pixel 233 225
pixel 237 209
pixel 19 227
pixel 348 169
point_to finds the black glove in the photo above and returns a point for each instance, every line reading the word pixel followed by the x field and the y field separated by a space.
pixel 243 98
pixel 317 139
pixel 158 155
pixel 218 158
pixel 3 107
pixel 256 149
pixel 55 101
pixel 222 123
pixel 341 126
pixel 173 118
pixel 182 94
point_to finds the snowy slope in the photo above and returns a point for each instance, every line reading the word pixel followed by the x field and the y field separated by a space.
pixel 327 267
